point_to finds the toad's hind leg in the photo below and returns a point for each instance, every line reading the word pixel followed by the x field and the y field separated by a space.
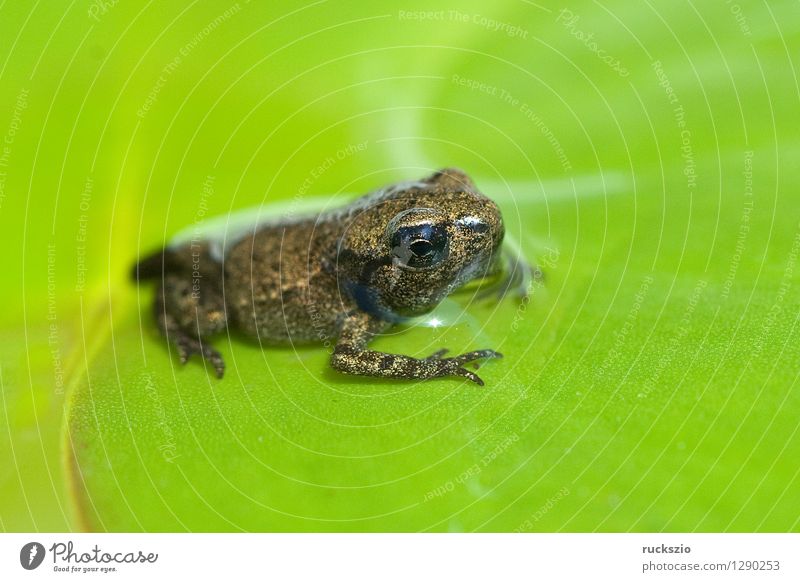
pixel 189 307
pixel 187 320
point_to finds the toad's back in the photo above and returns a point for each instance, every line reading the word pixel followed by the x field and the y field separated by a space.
pixel 280 283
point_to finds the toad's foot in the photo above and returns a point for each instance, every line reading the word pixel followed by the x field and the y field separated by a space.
pixel 188 345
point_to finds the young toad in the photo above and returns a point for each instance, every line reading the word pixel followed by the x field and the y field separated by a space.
pixel 349 274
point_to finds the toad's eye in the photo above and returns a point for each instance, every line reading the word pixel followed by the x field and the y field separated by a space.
pixel 420 244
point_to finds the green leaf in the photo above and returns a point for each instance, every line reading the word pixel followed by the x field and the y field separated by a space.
pixel 618 406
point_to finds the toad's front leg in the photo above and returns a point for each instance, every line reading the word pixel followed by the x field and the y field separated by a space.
pixel 351 356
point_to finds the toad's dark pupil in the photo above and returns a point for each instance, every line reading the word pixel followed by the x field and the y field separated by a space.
pixel 421 248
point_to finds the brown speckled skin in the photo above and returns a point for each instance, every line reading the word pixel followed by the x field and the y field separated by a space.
pixel 342 277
